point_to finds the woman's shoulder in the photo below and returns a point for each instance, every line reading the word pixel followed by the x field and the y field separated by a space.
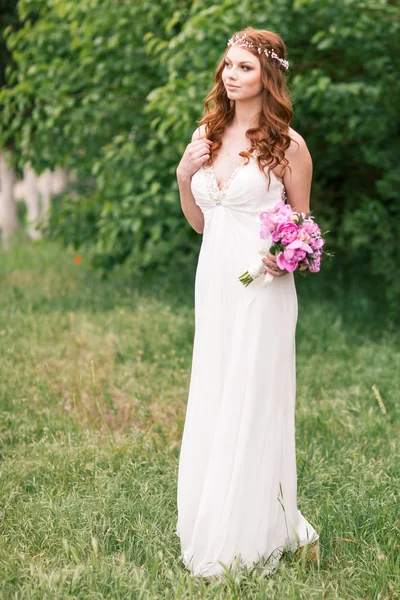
pixel 297 154
pixel 297 143
pixel 200 132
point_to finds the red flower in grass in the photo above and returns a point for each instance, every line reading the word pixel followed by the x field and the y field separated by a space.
pixel 77 259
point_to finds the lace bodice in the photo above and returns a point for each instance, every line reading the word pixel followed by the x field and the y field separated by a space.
pixel 246 189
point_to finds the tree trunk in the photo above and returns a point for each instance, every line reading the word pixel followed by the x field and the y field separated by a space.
pixel 60 180
pixel 45 184
pixel 8 207
pixel 32 201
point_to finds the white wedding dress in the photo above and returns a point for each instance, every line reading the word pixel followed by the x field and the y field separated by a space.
pixel 237 480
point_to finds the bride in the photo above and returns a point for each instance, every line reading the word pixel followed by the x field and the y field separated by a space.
pixel 237 480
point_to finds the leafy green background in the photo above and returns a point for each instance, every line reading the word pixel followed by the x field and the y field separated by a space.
pixel 113 89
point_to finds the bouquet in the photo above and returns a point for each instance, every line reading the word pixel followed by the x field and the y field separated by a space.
pixel 297 242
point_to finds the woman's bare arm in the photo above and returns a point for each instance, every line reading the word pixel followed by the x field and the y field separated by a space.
pixel 196 153
pixel 298 181
pixel 297 185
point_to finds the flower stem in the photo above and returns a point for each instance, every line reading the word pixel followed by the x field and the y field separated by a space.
pixel 246 278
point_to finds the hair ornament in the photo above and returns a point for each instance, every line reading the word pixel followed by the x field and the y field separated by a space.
pixel 238 40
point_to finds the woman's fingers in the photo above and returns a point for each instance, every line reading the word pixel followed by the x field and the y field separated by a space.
pixel 196 153
pixel 276 272
pixel 199 152
pixel 201 157
pixel 270 261
pixel 271 266
pixel 199 149
pixel 194 146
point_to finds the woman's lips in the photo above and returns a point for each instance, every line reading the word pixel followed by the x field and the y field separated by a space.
pixel 233 87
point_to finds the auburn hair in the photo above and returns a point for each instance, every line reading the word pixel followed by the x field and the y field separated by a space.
pixel 271 137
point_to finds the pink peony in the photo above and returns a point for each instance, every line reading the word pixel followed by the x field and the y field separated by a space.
pixel 302 235
pixel 310 226
pixel 285 233
pixel 265 215
pixel 299 245
pixel 292 255
pixel 280 204
pixel 317 243
pixel 284 214
pixel 314 264
pixel 268 220
pixel 286 263
pixel 285 209
pixel 280 214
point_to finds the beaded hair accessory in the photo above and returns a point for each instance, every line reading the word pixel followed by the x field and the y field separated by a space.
pixel 236 40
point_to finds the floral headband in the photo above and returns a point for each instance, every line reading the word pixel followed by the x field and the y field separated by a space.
pixel 236 40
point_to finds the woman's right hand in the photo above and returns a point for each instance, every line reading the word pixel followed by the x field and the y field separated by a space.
pixel 196 154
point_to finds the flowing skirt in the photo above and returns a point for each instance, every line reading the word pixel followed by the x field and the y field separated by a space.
pixel 237 480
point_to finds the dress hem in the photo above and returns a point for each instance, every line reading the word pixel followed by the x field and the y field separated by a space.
pixel 217 568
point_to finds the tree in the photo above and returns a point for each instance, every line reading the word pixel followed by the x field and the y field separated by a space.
pixel 8 208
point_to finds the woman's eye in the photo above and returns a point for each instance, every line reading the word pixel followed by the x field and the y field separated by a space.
pixel 245 67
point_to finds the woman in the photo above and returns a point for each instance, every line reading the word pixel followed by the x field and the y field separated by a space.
pixel 237 480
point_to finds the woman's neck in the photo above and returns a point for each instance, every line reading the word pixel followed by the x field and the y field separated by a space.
pixel 247 113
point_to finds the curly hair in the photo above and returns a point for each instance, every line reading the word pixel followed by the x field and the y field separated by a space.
pixel 271 137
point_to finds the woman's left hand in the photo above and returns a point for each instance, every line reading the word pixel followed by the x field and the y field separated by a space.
pixel 272 268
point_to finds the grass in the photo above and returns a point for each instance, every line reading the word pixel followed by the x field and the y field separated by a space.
pixel 93 382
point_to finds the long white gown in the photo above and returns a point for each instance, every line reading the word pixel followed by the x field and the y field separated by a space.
pixel 237 479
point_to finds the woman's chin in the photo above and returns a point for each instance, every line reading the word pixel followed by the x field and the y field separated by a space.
pixel 232 94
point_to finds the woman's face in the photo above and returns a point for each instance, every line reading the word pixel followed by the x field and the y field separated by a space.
pixel 242 74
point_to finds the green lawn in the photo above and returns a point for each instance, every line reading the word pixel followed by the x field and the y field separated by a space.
pixel 93 382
